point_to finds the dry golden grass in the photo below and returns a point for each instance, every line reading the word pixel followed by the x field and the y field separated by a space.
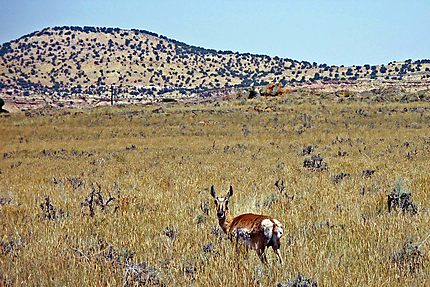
pixel 159 167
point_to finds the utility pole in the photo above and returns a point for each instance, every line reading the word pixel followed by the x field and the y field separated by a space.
pixel 111 95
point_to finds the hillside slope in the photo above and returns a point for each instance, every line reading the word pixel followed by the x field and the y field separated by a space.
pixel 86 61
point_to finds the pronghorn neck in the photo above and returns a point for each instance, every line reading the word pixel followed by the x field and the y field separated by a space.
pixel 226 222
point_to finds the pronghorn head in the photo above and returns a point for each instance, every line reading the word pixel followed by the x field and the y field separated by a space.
pixel 221 202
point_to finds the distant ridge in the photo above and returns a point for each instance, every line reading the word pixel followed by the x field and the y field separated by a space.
pixel 87 61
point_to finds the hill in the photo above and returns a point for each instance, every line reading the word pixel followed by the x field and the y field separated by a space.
pixel 85 62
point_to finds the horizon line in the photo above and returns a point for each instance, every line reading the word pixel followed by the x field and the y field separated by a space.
pixel 155 34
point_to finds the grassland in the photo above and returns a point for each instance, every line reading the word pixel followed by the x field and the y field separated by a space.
pixel 158 165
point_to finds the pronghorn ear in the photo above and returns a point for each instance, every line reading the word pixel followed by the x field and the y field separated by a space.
pixel 230 192
pixel 213 192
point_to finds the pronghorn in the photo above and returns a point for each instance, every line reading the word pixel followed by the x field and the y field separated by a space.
pixel 256 231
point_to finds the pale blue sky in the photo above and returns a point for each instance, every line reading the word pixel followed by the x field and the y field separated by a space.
pixel 325 31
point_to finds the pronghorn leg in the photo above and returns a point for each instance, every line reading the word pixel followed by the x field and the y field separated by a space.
pixel 247 251
pixel 237 247
pixel 278 255
pixel 264 258
pixel 262 255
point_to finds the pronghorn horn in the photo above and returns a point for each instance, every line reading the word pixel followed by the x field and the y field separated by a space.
pixel 230 192
pixel 213 192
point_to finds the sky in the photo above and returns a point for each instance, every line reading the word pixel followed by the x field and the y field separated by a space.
pixel 335 32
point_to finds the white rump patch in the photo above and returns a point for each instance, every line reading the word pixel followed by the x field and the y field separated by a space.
pixel 267 226
pixel 280 228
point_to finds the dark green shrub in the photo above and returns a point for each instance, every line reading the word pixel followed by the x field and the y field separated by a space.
pixel 1 106
pixel 410 258
pixel 401 199
pixel 168 100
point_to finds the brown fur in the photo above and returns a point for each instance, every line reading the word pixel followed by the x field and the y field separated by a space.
pixel 251 222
